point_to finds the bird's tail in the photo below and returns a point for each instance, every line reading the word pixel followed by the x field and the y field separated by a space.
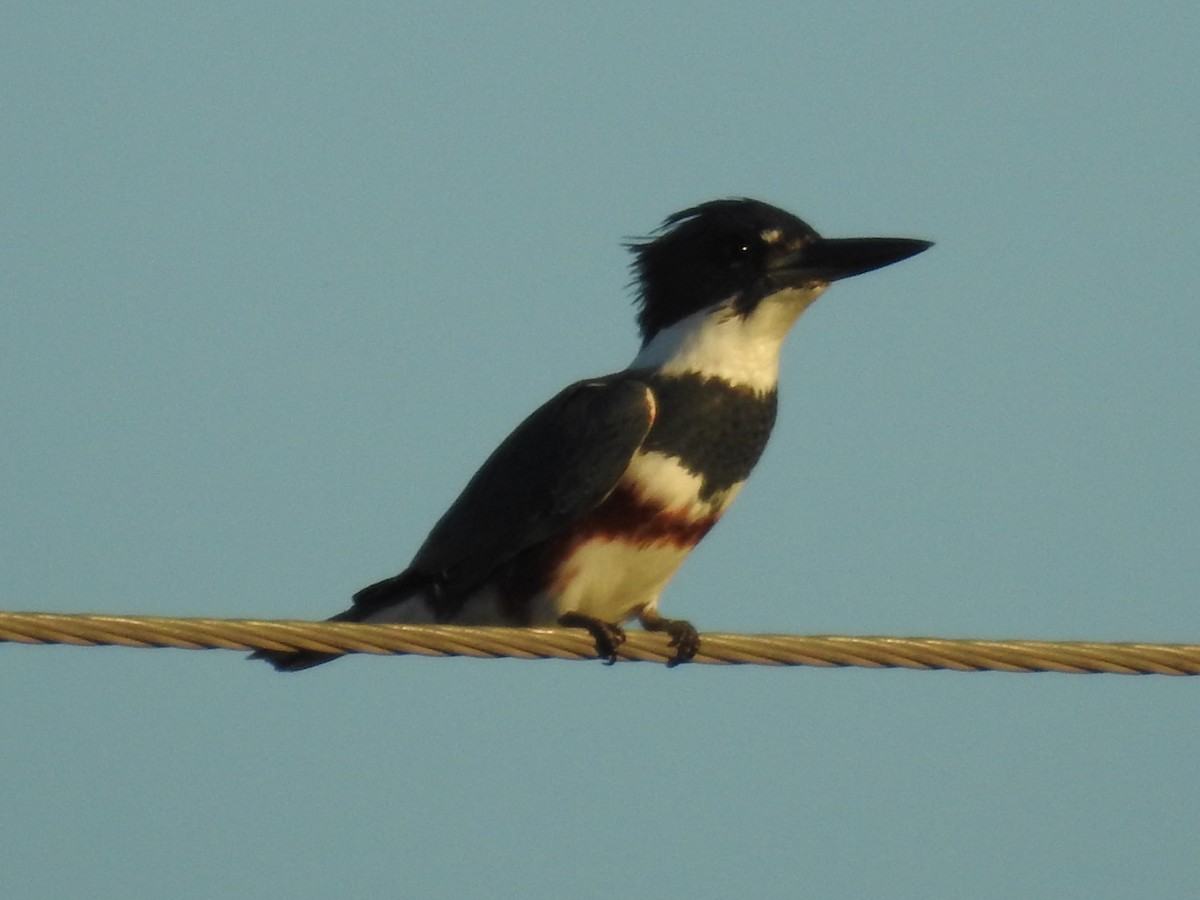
pixel 293 660
pixel 299 660
pixel 390 591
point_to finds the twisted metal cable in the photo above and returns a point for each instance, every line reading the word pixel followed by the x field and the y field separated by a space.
pixel 1082 657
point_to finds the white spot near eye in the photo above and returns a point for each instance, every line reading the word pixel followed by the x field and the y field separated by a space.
pixel 771 236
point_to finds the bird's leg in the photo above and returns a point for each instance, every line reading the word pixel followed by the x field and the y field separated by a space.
pixel 608 637
pixel 684 636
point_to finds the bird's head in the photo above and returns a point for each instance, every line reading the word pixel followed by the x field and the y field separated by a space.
pixel 736 253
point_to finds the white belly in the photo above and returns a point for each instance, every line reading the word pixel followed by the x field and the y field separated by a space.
pixel 611 580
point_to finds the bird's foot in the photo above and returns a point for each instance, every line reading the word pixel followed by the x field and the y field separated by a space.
pixel 608 637
pixel 684 636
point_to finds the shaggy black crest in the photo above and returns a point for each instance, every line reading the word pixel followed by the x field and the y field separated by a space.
pixel 709 254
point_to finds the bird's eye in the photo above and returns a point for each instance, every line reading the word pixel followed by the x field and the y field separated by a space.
pixel 737 252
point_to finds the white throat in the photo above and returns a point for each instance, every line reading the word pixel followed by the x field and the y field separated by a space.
pixel 717 342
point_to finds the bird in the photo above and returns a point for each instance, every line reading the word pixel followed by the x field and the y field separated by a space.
pixel 582 515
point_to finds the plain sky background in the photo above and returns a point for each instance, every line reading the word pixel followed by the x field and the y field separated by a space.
pixel 277 276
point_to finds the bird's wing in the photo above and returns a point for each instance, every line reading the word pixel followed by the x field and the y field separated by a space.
pixel 554 468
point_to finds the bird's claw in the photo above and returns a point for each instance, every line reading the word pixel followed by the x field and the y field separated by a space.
pixel 607 636
pixel 684 638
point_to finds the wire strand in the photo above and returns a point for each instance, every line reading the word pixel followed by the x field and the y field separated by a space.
pixel 1080 657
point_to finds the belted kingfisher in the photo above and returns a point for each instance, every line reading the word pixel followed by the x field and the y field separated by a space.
pixel 582 515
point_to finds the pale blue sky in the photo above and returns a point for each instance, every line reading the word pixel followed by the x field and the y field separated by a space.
pixel 277 276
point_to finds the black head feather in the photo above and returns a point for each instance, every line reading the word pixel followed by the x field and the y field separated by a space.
pixel 717 252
